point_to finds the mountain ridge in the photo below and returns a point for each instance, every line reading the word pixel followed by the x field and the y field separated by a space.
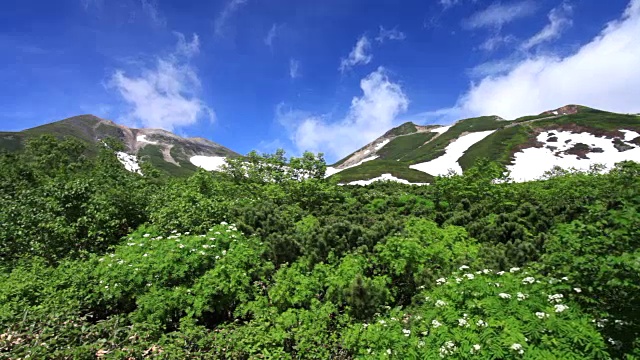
pixel 167 151
pixel 420 156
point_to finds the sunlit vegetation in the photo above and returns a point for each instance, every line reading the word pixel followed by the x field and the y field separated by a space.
pixel 270 260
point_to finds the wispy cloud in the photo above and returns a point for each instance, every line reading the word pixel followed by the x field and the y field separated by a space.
pixel 294 68
pixel 391 34
pixel 370 115
pixel 559 20
pixel 87 4
pixel 273 32
pixel 498 14
pixel 603 73
pixel 165 96
pixel 227 12
pixel 449 3
pixel 150 8
pixel 495 41
pixel 359 55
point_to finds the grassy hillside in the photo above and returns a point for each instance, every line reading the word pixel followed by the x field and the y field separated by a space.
pixel 375 168
pixel 436 147
pixel 397 148
pixel 501 145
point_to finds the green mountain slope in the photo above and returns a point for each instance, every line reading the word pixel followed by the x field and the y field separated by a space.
pixel 168 152
pixel 410 144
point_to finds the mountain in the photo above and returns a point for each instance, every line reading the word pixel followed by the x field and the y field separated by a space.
pixel 570 136
pixel 168 152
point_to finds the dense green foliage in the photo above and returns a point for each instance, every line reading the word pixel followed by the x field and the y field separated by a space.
pixel 271 260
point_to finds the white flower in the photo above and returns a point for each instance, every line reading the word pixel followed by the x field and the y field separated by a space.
pixel 365 325
pixel 381 322
pixel 420 343
pixel 441 281
pixel 174 231
pixel 486 271
pixel 475 348
pixel 458 280
pixel 101 259
pixel 528 280
pixel 203 253
pixel 555 298
pixel 463 322
pixel 447 349
pixel 440 303
pixel 181 246
pixel 120 262
pixel 406 332
pixel 481 323
pixel 500 273
pixel 130 244
pixel 518 348
pixel 578 290
pixel 560 308
pixel 505 296
pixel 463 267
pixel 514 269
pixel 564 278
pixel 522 296
pixel 149 284
pixel 146 235
pixel 496 284
pixel 145 255
pixel 435 323
pixel 469 276
pixel 425 333
pixel 223 223
pixel 388 351
pixel 542 315
pixel 224 252
pixel 187 233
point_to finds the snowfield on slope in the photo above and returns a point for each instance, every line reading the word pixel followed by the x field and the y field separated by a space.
pixel 209 163
pixel 441 130
pixel 130 162
pixel 331 170
pixel 143 138
pixel 531 163
pixel 449 161
pixel 383 177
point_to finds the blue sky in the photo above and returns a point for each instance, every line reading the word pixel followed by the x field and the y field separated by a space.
pixel 327 76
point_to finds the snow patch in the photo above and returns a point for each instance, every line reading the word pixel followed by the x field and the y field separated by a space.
pixel 442 129
pixel 629 135
pixel 555 113
pixel 383 177
pixel 531 163
pixel 209 163
pixel 382 144
pixel 143 138
pixel 130 162
pixel 442 164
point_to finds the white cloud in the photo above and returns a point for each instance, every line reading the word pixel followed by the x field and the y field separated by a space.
pixel 164 96
pixel 498 14
pixel 359 54
pixel 370 115
pixel 268 40
pixel 603 73
pixel 558 21
pixel 391 34
pixel 225 14
pixel 294 68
